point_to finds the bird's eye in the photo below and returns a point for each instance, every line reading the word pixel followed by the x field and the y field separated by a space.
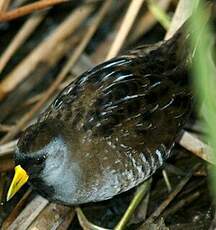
pixel 39 161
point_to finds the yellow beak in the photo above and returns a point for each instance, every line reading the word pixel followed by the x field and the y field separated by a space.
pixel 20 178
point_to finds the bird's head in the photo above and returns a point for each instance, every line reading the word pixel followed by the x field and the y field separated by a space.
pixel 39 155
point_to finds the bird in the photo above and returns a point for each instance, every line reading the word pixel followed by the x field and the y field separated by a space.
pixel 111 128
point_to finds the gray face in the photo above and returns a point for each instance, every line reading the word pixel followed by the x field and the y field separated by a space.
pixel 60 172
pixel 50 168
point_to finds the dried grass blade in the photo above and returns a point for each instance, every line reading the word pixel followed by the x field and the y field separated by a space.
pixel 43 50
pixel 20 38
pixel 24 10
pixel 125 28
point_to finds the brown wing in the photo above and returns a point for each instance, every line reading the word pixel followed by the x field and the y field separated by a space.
pixel 141 100
pixel 121 95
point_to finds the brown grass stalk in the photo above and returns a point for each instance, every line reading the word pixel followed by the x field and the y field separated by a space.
pixel 126 25
pixel 24 10
pixel 43 50
pixel 72 60
pixel 26 30
pixel 4 4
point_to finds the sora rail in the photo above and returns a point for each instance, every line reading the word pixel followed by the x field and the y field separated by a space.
pixel 110 129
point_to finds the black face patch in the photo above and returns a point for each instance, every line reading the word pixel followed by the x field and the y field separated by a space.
pixel 33 165
pixel 42 188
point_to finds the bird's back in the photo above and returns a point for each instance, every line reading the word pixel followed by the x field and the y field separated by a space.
pixel 125 114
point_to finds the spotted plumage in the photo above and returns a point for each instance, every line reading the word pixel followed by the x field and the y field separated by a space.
pixel 111 128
